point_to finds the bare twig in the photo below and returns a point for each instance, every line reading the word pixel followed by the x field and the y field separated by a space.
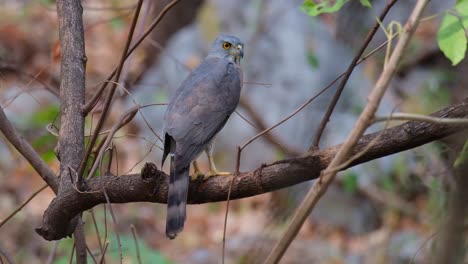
pixel 422 118
pixel 135 239
pixel 228 199
pixel 4 221
pixel 70 261
pixel 261 125
pixel 365 119
pixel 110 95
pixel 98 236
pixel 92 102
pixel 300 108
pixel 91 254
pixel 124 119
pixel 27 151
pixel 350 69
pixel 50 258
pixel 23 90
pixel 103 257
pixel 4 66
pixel 114 220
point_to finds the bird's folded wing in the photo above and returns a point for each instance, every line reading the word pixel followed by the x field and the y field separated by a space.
pixel 202 106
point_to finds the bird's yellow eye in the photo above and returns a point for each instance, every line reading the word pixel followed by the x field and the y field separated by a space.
pixel 226 45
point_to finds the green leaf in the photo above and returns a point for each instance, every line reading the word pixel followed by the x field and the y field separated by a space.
pixel 327 6
pixel 452 39
pixel 350 182
pixel 313 60
pixel 462 157
pixel 365 3
pixel 462 7
pixel 117 23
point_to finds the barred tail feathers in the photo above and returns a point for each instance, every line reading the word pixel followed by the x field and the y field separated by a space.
pixel 176 199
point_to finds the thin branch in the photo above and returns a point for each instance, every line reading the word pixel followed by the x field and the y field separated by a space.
pixel 70 261
pixel 114 221
pixel 98 236
pixel 50 258
pixel 28 152
pixel 151 184
pixel 4 66
pixel 124 119
pixel 91 103
pixel 228 198
pixel 135 239
pixel 91 255
pixel 4 221
pixel 110 95
pixel 272 139
pixel 365 119
pixel 104 254
pixel 300 108
pixel 348 73
pixel 424 118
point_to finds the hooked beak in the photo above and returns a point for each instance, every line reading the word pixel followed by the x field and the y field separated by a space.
pixel 240 50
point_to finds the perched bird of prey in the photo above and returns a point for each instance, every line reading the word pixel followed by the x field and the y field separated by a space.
pixel 196 112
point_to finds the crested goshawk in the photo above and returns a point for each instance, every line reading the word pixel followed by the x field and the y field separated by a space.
pixel 196 112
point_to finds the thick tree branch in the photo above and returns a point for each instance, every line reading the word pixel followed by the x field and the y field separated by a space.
pixel 72 95
pixel 151 185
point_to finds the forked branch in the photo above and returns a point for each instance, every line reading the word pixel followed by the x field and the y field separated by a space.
pixel 151 184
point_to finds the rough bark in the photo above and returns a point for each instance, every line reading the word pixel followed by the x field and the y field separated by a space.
pixel 72 95
pixel 151 184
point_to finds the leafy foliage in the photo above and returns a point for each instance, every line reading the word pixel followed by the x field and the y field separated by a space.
pixel 327 6
pixel 451 36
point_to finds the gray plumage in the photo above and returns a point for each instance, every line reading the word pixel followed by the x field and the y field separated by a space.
pixel 196 112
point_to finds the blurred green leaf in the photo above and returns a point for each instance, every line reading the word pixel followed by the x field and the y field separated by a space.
pixel 161 96
pixel 280 155
pixel 350 182
pixel 44 141
pixel 462 157
pixel 365 3
pixel 437 199
pixel 462 7
pixel 327 6
pixel 117 23
pixel 47 2
pixel 44 116
pixel 313 60
pixel 388 184
pixel 401 165
pixel 451 38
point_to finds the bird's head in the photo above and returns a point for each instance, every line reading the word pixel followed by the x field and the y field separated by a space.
pixel 227 47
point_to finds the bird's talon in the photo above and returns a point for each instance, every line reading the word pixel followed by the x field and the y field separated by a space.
pixel 197 175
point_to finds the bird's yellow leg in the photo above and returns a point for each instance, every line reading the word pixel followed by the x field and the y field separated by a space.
pixel 213 170
pixel 196 171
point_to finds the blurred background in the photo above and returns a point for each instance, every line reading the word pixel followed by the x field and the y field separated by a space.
pixel 390 210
